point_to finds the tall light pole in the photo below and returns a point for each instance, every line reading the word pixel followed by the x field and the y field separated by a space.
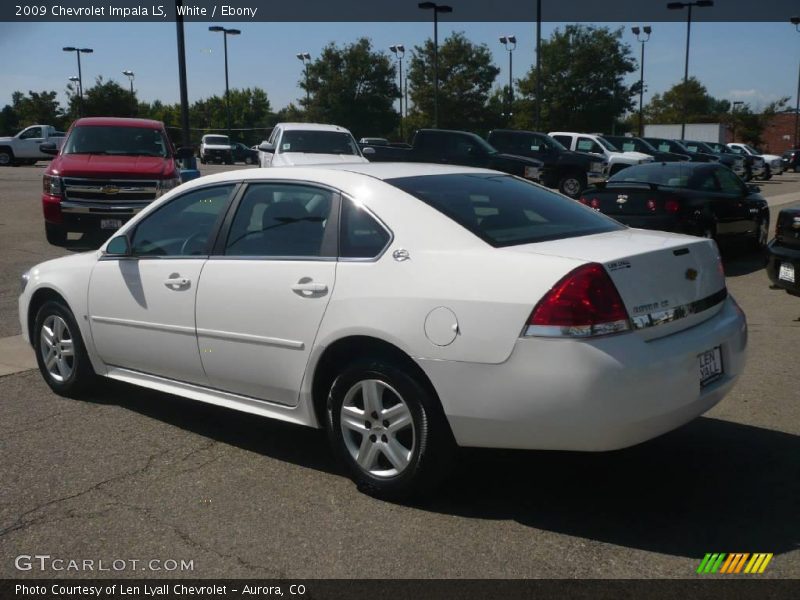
pixel 796 22
pixel 130 75
pixel 642 38
pixel 78 52
pixel 436 8
pixel 399 51
pixel 681 6
pixel 305 57
pixel 538 64
pixel 225 33
pixel 510 44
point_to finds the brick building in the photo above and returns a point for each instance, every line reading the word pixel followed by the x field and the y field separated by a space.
pixel 779 133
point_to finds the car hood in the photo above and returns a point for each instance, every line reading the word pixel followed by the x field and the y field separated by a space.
pixel 6 140
pixel 291 159
pixel 636 155
pixel 533 162
pixel 100 165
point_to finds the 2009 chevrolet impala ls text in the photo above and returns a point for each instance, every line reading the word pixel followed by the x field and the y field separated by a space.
pixel 408 309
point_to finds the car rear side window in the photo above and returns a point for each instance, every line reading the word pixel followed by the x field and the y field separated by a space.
pixel 361 235
pixel 504 210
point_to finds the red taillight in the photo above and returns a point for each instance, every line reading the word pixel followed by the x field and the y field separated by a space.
pixel 672 205
pixel 595 204
pixel 652 205
pixel 583 200
pixel 584 303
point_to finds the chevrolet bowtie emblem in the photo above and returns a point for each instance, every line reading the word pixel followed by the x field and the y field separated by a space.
pixel 622 199
pixel 109 190
pixel 691 274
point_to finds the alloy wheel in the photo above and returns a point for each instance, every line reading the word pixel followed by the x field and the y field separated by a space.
pixel 57 348
pixel 377 428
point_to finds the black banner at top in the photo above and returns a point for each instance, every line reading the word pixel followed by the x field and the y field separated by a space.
pixel 559 11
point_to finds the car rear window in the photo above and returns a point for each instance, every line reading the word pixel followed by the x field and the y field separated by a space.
pixel 503 210
pixel 667 174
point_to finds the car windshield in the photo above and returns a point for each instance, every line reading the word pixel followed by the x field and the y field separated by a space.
pixel 116 140
pixel 720 148
pixel 503 210
pixel 318 142
pixel 216 140
pixel 606 144
pixel 751 149
pixel 550 143
pixel 698 147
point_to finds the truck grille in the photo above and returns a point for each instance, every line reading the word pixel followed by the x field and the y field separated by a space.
pixel 118 191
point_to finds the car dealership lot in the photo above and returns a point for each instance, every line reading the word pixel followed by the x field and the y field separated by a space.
pixel 134 474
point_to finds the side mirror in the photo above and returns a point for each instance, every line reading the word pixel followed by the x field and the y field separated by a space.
pixel 118 246
pixel 48 148
pixel 368 151
pixel 184 152
pixel 753 189
pixel 266 147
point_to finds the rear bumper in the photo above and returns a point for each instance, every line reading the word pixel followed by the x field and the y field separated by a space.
pixel 595 395
pixel 775 257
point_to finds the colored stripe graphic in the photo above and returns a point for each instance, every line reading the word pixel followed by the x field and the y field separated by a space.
pixel 734 563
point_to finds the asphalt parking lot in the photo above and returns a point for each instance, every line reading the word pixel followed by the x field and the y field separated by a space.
pixel 137 475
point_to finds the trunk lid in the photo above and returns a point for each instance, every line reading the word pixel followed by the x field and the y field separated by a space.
pixel 668 282
pixel 619 200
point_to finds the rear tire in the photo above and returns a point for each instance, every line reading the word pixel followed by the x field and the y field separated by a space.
pixel 56 236
pixel 6 157
pixel 393 437
pixel 60 351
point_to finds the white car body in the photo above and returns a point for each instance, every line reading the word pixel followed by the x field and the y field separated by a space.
pixel 774 161
pixel 595 144
pixel 251 334
pixel 284 156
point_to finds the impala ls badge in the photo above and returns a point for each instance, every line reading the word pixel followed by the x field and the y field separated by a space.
pixel 691 274
pixel 622 199
pixel 110 190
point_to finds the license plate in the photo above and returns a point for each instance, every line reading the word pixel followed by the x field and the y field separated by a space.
pixel 786 272
pixel 110 223
pixel 710 365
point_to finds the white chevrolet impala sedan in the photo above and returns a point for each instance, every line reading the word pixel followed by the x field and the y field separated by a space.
pixel 407 309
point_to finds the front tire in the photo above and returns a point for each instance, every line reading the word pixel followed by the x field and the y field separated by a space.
pixel 6 157
pixel 572 184
pixel 388 429
pixel 60 351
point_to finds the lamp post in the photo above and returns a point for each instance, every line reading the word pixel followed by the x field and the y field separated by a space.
pixel 78 52
pixel 642 36
pixel 399 51
pixel 538 64
pixel 436 8
pixel 510 44
pixel 796 22
pixel 305 57
pixel 130 75
pixel 733 112
pixel 225 33
pixel 680 6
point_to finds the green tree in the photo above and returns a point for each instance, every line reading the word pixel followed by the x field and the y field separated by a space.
pixel 36 108
pixel 582 81
pixel 691 99
pixel 466 77
pixel 749 125
pixel 103 99
pixel 251 114
pixel 9 120
pixel 354 87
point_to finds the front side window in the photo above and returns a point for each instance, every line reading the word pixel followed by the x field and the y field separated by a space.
pixel 589 145
pixel 116 141
pixel 183 226
pixel 281 220
pixel 32 133
pixel 361 235
pixel 503 210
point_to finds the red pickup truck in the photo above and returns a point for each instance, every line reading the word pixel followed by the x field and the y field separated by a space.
pixel 106 171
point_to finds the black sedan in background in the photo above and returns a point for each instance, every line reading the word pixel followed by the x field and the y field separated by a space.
pixel 242 153
pixel 734 162
pixel 704 199
pixel 783 265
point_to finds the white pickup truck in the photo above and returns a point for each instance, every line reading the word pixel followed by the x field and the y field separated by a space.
pixel 23 148
pixel 595 144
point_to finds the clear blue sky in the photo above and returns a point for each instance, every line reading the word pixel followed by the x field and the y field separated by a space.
pixel 755 62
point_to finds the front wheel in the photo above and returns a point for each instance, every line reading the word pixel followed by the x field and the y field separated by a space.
pixel 60 351
pixel 388 429
pixel 6 157
pixel 248 160
pixel 572 184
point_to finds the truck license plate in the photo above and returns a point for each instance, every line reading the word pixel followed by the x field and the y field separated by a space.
pixel 710 364
pixel 110 223
pixel 786 272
